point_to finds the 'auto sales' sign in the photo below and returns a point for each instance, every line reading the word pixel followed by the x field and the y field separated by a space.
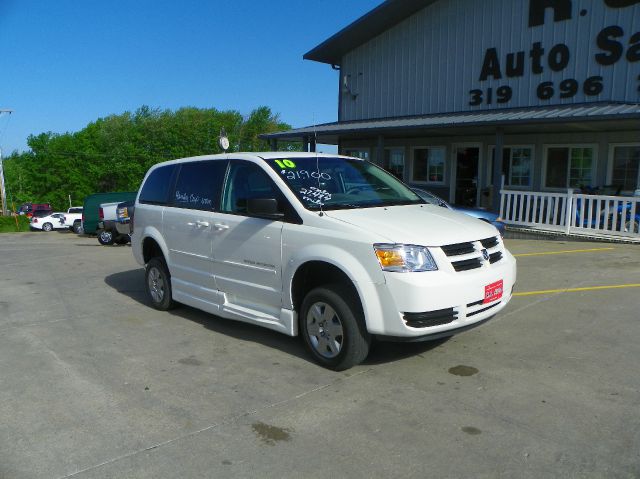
pixel 614 44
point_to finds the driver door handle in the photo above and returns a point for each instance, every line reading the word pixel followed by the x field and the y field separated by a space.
pixel 202 224
pixel 220 226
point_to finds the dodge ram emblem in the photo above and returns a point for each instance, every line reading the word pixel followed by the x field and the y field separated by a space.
pixel 485 254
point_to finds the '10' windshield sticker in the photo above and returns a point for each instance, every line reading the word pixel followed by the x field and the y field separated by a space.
pixel 315 195
pixel 285 163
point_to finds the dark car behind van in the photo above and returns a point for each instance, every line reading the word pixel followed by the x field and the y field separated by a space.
pixel 90 213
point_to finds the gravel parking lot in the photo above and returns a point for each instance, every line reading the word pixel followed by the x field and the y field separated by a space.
pixel 96 384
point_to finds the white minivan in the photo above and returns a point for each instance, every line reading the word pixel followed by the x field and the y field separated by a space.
pixel 329 247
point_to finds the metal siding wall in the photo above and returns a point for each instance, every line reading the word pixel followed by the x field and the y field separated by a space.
pixel 430 62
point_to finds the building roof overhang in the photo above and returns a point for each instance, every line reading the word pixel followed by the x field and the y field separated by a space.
pixel 560 118
pixel 377 21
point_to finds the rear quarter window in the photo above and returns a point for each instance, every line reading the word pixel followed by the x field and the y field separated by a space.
pixel 155 190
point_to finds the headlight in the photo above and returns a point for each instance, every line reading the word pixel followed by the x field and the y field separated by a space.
pixel 404 258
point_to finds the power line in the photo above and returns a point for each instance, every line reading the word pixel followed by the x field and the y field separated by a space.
pixel 3 193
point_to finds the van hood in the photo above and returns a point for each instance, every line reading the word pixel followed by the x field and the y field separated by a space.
pixel 426 225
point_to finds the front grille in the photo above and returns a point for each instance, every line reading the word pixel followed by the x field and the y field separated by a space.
pixel 495 257
pixel 430 318
pixel 489 242
pixel 470 255
pixel 458 249
pixel 466 264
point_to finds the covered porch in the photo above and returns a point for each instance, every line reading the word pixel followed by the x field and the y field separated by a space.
pixel 468 157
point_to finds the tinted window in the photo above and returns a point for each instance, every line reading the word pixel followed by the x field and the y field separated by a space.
pixel 156 189
pixel 199 184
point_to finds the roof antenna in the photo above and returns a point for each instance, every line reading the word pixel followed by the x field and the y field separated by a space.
pixel 223 141
pixel 315 147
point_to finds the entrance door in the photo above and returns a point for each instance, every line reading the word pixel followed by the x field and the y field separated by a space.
pixel 466 178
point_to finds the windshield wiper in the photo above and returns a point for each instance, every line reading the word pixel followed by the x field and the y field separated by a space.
pixel 346 206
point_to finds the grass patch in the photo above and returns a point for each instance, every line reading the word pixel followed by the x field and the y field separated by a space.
pixel 8 224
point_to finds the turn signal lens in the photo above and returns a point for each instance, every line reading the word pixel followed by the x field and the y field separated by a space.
pixel 389 258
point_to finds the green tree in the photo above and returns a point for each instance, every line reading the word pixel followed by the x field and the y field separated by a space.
pixel 113 153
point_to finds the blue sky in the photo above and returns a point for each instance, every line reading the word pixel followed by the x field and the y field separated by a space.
pixel 66 63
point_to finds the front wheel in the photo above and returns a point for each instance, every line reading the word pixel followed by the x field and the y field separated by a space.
pixel 332 325
pixel 77 227
pixel 158 284
pixel 105 237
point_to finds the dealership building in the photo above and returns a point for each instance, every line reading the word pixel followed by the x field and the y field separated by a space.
pixel 461 97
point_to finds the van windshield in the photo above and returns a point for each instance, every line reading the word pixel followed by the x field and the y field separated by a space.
pixel 341 183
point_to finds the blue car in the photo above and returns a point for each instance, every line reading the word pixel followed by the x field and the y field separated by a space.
pixel 480 213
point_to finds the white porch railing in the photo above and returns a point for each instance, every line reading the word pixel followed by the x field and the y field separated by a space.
pixel 572 213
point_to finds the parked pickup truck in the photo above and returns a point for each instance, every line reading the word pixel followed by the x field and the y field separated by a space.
pixel 111 227
pixel 90 216
pixel 124 217
pixel 73 219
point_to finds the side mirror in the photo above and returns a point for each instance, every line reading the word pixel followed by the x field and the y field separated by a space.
pixel 265 207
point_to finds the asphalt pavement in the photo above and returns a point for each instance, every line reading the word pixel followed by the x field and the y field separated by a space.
pixel 94 383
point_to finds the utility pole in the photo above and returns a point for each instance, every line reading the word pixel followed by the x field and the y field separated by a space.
pixel 3 192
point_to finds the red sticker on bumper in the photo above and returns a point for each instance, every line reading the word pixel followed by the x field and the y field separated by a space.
pixel 493 292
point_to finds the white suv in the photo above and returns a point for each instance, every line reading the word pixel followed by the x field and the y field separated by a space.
pixel 329 246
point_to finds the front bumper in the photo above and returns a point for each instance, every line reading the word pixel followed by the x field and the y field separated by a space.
pixel 428 305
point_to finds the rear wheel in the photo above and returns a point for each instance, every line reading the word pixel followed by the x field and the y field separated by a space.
pixel 105 237
pixel 77 227
pixel 158 284
pixel 123 239
pixel 47 227
pixel 332 325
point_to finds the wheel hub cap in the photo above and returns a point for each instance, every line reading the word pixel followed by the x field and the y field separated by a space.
pixel 156 285
pixel 324 329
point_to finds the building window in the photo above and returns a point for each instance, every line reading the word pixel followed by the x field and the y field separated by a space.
pixel 520 171
pixel 394 162
pixel 357 153
pixel 516 165
pixel 569 167
pixel 428 165
pixel 625 172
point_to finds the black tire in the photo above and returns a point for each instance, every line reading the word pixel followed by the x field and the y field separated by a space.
pixel 123 239
pixel 47 227
pixel 333 328
pixel 77 227
pixel 158 284
pixel 105 237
